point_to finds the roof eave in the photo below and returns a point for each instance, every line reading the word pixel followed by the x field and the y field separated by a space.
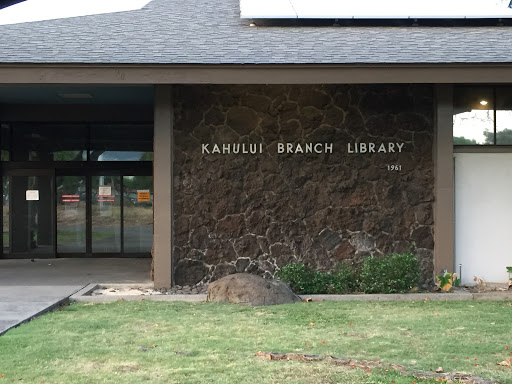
pixel 371 73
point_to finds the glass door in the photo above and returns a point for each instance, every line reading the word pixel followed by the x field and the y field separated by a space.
pixel 76 213
pixel 63 192
pixel 5 217
pixel 137 214
pixel 106 214
pixel 27 214
pixel 71 214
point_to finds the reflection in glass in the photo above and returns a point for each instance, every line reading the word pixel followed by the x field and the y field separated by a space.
pixel 71 221
pixel 106 214
pixel 32 228
pixel 121 142
pixel 5 142
pixel 70 142
pixel 49 142
pixel 503 116
pixel 138 213
pixel 473 116
pixel 5 214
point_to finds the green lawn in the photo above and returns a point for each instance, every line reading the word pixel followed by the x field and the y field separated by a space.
pixel 67 236
pixel 100 343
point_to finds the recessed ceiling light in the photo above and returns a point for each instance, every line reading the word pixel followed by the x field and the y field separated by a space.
pixel 483 102
pixel 75 96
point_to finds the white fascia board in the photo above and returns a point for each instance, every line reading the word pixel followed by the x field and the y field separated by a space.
pixel 267 9
pixel 376 9
pixel 39 10
pixel 400 9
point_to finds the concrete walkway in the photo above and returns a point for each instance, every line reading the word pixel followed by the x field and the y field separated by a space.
pixel 28 289
pixel 19 304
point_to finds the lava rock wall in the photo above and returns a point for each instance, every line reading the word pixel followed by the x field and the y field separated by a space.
pixel 255 212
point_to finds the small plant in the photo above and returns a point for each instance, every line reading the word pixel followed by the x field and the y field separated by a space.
pixel 447 280
pixel 509 270
pixel 396 273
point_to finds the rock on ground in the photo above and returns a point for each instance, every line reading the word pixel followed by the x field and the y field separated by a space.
pixel 244 288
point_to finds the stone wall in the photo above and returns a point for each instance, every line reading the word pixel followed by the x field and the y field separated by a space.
pixel 257 212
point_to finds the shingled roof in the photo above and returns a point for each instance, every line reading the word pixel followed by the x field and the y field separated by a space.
pixel 211 32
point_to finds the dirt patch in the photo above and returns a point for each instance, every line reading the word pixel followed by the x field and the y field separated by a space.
pixel 363 364
pixel 146 291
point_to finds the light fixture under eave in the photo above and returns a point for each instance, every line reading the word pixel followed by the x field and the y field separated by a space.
pixel 484 102
pixel 76 96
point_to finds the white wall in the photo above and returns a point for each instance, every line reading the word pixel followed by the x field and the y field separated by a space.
pixel 483 215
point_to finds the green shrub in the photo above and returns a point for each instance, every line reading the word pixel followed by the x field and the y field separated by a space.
pixel 301 278
pixel 396 273
pixel 391 274
pixel 304 280
pixel 347 279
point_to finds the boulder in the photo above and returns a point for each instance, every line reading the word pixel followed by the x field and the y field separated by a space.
pixel 244 288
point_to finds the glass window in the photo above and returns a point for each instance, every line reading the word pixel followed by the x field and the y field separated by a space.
pixel 5 142
pixel 5 214
pixel 106 214
pixel 504 116
pixel 473 116
pixel 121 142
pixel 70 142
pixel 71 220
pixel 138 213
pixel 49 142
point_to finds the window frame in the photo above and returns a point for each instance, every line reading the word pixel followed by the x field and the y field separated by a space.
pixel 494 89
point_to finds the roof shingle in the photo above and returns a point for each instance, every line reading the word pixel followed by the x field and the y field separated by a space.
pixel 211 32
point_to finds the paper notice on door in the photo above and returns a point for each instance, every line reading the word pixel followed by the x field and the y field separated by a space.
pixel 143 195
pixel 104 190
pixel 32 195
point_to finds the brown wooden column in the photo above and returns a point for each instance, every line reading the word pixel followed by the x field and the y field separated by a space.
pixel 162 184
pixel 444 208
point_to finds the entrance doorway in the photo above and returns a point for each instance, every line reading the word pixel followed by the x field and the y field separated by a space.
pixel 67 214
pixel 76 190
pixel 28 223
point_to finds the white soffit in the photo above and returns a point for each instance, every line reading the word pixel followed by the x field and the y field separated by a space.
pixel 375 9
pixel 38 10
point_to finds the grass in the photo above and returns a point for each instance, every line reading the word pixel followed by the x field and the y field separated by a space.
pixel 65 236
pixel 100 343
pixel 70 236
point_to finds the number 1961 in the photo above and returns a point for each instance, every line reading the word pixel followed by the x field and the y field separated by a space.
pixel 394 167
